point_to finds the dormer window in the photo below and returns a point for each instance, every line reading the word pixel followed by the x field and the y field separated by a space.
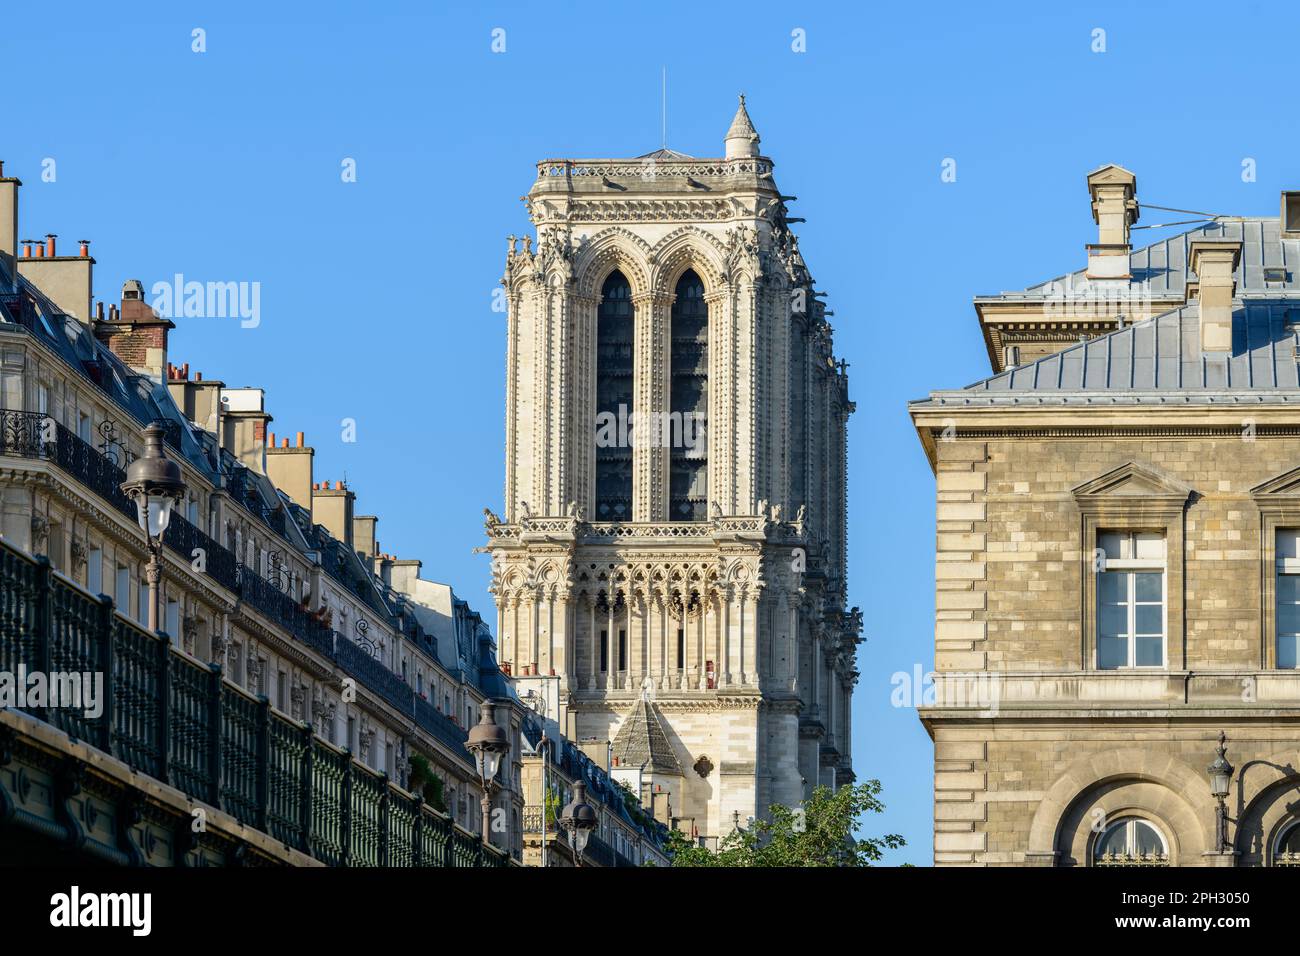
pixel 1291 215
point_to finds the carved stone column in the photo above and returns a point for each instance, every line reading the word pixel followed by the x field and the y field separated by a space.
pixel 650 396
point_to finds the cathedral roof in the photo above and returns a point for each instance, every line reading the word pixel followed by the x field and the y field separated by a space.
pixel 665 154
pixel 641 741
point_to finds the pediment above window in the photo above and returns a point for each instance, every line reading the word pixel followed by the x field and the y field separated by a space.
pixel 1286 485
pixel 1280 493
pixel 1132 487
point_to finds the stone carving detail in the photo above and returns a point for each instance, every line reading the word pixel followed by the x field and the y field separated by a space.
pixel 703 766
pixel 219 643
pixel 40 531
pixel 364 741
pixel 80 554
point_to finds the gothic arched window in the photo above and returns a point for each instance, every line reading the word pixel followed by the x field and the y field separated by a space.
pixel 688 487
pixel 614 401
pixel 1131 842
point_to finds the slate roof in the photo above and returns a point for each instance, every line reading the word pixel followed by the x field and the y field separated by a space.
pixel 1158 361
pixel 1162 270
pixel 641 741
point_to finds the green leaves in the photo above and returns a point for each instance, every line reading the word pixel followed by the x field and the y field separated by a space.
pixel 819 832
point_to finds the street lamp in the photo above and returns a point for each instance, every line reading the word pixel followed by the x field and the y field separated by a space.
pixel 154 483
pixel 488 743
pixel 578 818
pixel 1220 777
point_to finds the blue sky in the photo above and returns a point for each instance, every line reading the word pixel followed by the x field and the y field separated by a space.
pixel 376 295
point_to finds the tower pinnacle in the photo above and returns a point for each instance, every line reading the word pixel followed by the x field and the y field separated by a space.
pixel 742 139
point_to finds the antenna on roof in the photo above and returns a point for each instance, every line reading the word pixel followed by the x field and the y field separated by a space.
pixel 663 107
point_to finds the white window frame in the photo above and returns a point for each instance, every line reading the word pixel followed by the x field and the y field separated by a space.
pixel 1132 566
pixel 1288 567
pixel 1130 836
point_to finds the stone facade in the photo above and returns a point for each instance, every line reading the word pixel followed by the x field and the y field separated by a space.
pixel 732 622
pixel 1043 746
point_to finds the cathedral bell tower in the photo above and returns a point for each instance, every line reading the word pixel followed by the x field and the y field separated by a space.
pixel 671 560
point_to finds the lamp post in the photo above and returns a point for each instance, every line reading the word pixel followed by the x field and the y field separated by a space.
pixel 488 743
pixel 578 818
pixel 154 483
pixel 1220 778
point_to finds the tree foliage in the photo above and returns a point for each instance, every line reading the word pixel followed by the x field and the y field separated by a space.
pixel 819 832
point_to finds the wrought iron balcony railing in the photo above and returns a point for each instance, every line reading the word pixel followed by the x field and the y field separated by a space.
pixel 182 723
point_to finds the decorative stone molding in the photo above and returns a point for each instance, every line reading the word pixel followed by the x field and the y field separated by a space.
pixel 1174 794
pixel 1133 497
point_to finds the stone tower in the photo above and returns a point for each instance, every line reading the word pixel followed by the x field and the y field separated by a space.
pixel 674 539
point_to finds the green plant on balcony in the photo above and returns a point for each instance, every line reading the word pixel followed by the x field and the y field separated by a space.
pixel 552 803
pixel 425 783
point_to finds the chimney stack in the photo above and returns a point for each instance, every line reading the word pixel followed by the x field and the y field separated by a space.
pixel 332 507
pixel 68 281
pixel 243 426
pixel 1114 210
pixel 364 539
pixel 290 470
pixel 9 226
pixel 1215 261
pixel 199 400
pixel 136 333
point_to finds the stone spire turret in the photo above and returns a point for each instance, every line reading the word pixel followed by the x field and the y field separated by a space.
pixel 742 138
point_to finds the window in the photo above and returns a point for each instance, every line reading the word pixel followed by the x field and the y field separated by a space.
pixel 614 400
pixel 11 389
pixel 83 427
pixel 1290 215
pixel 689 364
pixel 54 545
pixel 681 648
pixel 122 589
pixel 604 651
pixel 1131 842
pixel 1288 596
pixel 142 604
pixel 95 571
pixel 172 622
pixel 622 650
pixel 1130 599
pixel 1287 851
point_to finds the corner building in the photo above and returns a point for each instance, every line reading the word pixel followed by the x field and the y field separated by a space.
pixel 1117 573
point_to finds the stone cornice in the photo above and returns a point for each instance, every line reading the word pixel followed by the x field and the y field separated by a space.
pixel 708 701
